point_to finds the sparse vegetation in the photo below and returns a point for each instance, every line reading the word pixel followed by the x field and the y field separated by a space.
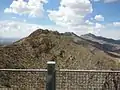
pixel 69 51
pixel 43 45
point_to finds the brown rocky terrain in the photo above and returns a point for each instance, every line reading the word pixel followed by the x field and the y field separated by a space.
pixel 67 49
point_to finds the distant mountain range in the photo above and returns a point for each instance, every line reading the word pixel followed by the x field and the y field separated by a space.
pixel 7 41
pixel 100 39
pixel 110 46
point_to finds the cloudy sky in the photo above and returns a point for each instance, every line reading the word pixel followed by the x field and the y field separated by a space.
pixel 18 18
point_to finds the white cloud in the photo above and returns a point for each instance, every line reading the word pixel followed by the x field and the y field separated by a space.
pixel 33 8
pixel 106 1
pixel 110 33
pixel 110 1
pixel 88 22
pixel 23 29
pixel 71 13
pixel 110 30
pixel 17 29
pixel 96 0
pixel 13 17
pixel 99 18
pixel 97 25
pixel 116 24
pixel 24 20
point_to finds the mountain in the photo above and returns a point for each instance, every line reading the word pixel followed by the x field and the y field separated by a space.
pixel 100 39
pixel 109 46
pixel 7 41
pixel 67 49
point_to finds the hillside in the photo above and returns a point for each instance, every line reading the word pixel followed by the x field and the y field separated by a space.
pixel 109 46
pixel 67 49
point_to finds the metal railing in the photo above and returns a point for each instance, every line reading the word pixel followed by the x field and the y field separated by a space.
pixel 22 79
pixel 63 79
pixel 88 80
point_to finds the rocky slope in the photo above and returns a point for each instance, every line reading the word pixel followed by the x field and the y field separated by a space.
pixel 67 49
pixel 109 46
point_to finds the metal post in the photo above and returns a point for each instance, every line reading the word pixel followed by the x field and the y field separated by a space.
pixel 51 78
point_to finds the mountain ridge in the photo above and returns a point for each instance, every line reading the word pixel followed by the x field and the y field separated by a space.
pixel 69 51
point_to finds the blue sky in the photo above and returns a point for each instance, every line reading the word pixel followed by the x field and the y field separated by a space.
pixel 99 17
pixel 53 4
pixel 110 11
